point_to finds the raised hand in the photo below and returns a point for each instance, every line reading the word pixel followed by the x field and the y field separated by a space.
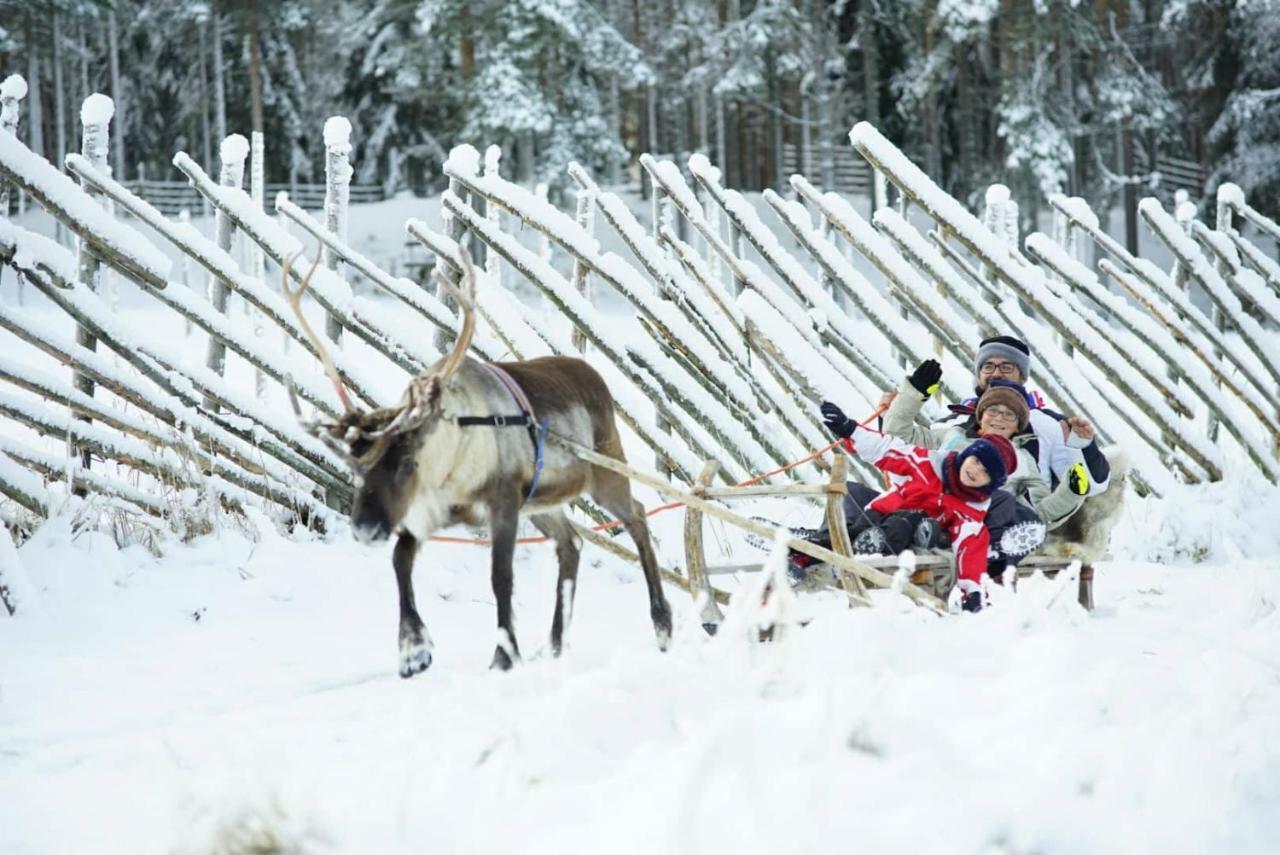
pixel 1076 432
pixel 836 421
pixel 926 378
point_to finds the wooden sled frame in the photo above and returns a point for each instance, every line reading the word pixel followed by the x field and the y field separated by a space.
pixel 852 574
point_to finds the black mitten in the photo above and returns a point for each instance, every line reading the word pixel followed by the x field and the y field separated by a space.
pixel 836 421
pixel 926 378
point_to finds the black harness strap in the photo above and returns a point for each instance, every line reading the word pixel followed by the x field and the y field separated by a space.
pixel 502 421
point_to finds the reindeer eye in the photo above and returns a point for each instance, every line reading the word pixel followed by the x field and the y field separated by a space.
pixel 407 467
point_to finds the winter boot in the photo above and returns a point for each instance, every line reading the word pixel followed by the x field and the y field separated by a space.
pixel 971 602
pixel 870 541
pixel 798 567
pixel 1020 538
pixel 929 534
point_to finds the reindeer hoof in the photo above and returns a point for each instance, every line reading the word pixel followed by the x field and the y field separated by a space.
pixel 662 625
pixel 710 628
pixel 414 660
pixel 502 661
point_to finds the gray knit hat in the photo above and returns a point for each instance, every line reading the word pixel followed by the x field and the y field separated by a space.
pixel 1004 347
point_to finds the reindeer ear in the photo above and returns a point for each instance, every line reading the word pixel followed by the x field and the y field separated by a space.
pixel 435 392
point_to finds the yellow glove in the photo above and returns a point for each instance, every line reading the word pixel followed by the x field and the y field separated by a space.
pixel 1078 479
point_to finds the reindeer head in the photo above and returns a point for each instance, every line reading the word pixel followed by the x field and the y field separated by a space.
pixel 382 446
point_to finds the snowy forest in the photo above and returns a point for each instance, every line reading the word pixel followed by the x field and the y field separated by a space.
pixel 1045 96
pixel 595 426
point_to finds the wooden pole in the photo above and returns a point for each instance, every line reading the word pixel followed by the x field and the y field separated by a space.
pixel 232 154
pixel 337 194
pixel 695 557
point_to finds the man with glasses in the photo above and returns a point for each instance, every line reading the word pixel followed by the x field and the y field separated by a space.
pixel 1061 442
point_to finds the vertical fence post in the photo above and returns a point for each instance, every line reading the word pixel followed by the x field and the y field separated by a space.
pixel 455 228
pixel 232 153
pixel 184 217
pixel 1184 212
pixel 1222 223
pixel 586 218
pixel 257 259
pixel 95 117
pixel 12 90
pixel 492 213
pixel 337 194
pixel 660 212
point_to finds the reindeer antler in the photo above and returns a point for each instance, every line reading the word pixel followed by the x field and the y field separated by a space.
pixel 295 302
pixel 467 303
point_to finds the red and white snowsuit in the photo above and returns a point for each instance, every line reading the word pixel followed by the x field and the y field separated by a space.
pixel 917 483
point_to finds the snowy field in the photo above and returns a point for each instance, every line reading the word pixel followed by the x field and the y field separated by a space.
pixel 241 692
pixel 234 690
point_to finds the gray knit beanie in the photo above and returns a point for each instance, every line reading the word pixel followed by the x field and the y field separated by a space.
pixel 1004 347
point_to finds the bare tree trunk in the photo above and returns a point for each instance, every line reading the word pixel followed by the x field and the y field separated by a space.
pixel 206 132
pixel 117 94
pixel 775 178
pixel 932 118
pixel 219 84
pixel 870 64
pixel 59 95
pixel 255 73
pixel 35 104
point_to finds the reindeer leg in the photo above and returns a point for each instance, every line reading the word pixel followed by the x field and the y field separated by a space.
pixel 504 515
pixel 557 527
pixel 613 492
pixel 415 643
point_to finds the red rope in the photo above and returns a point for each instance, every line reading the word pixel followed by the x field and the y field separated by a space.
pixel 484 541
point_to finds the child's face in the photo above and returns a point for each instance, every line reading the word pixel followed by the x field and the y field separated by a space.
pixel 973 473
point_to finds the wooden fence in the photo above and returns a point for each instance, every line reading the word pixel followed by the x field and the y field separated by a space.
pixel 735 339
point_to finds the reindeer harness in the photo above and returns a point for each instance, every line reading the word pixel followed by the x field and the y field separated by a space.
pixel 526 419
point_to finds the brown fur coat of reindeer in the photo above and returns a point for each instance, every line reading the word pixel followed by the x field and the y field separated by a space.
pixel 419 470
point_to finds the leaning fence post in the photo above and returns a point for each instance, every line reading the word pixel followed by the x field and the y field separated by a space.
pixel 232 153
pixel 337 194
pixel 95 116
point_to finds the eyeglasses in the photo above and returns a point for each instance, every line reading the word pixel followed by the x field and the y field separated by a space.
pixel 997 411
pixel 1008 369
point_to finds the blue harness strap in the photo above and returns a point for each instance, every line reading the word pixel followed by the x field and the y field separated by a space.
pixel 526 420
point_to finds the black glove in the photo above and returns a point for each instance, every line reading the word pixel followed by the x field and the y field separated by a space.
pixel 926 377
pixel 971 602
pixel 1078 480
pixel 836 421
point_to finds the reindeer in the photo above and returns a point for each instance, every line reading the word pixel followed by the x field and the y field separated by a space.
pixel 465 445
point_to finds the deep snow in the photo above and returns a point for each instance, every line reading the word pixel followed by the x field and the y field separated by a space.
pixel 168 705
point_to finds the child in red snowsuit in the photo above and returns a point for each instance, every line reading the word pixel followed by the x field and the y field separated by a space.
pixel 952 488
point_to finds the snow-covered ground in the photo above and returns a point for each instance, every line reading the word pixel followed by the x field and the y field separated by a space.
pixel 241 691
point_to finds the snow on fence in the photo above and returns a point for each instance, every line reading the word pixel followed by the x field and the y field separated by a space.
pixel 742 323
